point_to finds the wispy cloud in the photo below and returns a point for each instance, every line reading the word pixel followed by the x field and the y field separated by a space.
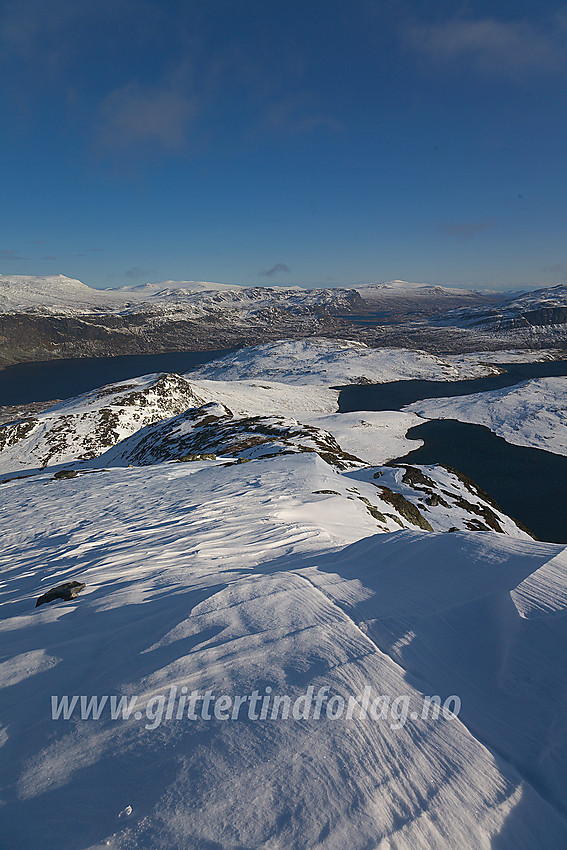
pixel 49 258
pixel 279 267
pixel 298 113
pixel 51 34
pixel 136 273
pixel 11 256
pixel 466 229
pixel 491 47
pixel 133 115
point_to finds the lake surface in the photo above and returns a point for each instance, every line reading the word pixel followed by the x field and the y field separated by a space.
pixel 50 379
pixel 529 485
pixel 397 394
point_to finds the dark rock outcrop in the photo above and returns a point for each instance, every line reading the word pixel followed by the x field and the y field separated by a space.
pixel 66 591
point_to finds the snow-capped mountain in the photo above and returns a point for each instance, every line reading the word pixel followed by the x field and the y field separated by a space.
pixel 55 316
pixel 20 293
pixel 167 287
pixel 54 294
pixel 60 293
pixel 443 297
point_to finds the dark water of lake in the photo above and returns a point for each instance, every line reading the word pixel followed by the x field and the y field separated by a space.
pixel 397 394
pixel 46 380
pixel 528 484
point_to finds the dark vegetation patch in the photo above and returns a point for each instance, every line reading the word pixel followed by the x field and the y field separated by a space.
pixel 374 512
pixel 414 477
pixel 404 507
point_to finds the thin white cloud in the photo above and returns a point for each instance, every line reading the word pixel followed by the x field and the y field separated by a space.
pixel 136 273
pixel 132 115
pixel 491 47
pixel 297 113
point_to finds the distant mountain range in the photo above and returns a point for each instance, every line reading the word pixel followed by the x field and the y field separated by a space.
pixel 43 318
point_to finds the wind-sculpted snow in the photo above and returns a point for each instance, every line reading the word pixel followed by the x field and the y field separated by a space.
pixel 242 578
pixel 532 413
pixel 240 538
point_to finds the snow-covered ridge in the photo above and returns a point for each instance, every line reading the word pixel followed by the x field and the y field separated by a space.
pixel 395 288
pixel 87 426
pixel 238 578
pixel 168 287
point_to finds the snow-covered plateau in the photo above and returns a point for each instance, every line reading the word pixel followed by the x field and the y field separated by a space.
pixel 283 641
pixel 339 362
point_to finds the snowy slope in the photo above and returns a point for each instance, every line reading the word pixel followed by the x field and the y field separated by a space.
pixel 24 292
pixel 166 418
pixel 85 427
pixel 246 578
pixel 532 413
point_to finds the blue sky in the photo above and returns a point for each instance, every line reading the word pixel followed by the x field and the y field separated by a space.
pixel 321 143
